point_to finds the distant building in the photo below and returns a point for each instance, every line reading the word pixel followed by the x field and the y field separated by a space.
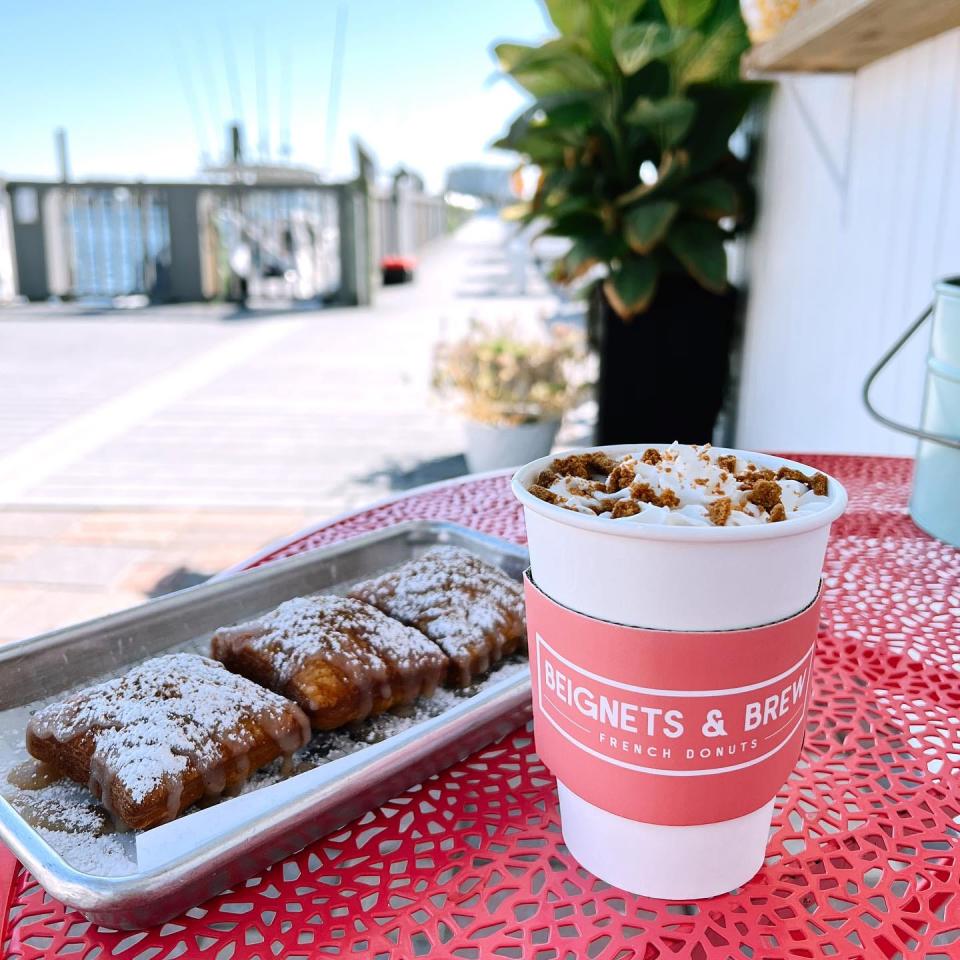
pixel 252 174
pixel 491 184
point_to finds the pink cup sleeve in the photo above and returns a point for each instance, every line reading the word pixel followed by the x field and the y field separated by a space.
pixel 664 726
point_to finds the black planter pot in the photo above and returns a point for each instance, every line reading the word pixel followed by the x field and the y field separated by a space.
pixel 664 373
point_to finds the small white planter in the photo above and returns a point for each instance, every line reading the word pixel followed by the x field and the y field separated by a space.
pixel 493 448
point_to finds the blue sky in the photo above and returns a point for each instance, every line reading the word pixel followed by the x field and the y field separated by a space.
pixel 416 81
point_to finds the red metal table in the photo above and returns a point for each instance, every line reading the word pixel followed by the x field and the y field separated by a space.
pixel 864 861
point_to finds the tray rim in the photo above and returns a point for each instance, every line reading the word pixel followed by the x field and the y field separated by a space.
pixel 222 582
pixel 88 891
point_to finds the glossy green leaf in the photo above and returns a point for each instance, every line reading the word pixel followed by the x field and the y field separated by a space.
pixel 577 261
pixel 618 12
pixel 672 167
pixel 570 17
pixel 724 107
pixel 577 111
pixel 713 198
pixel 714 56
pixel 698 245
pixel 536 144
pixel 668 118
pixel 631 287
pixel 579 225
pixel 686 13
pixel 638 44
pixel 557 66
pixel 560 117
pixel 627 83
pixel 645 224
pixel 511 55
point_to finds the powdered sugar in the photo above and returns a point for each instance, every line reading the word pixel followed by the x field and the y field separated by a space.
pixel 453 597
pixel 68 817
pixel 304 627
pixel 70 820
pixel 108 855
pixel 161 718
pixel 63 806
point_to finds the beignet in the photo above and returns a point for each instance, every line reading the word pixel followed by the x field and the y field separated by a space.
pixel 471 608
pixel 167 733
pixel 340 659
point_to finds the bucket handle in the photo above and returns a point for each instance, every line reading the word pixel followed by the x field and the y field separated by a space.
pixel 875 372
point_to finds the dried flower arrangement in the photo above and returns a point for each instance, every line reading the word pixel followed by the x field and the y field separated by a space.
pixel 503 377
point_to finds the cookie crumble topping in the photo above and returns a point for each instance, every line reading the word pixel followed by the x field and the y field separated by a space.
pixel 679 484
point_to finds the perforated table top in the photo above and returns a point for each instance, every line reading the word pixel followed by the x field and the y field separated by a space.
pixel 863 862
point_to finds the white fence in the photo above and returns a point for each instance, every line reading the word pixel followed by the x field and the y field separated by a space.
pixel 175 241
pixel 860 215
pixel 405 221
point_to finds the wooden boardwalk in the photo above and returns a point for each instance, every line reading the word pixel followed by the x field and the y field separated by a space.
pixel 137 445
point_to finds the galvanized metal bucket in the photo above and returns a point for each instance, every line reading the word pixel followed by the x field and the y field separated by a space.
pixel 935 503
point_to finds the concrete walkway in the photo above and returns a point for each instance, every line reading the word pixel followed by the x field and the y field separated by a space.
pixel 141 451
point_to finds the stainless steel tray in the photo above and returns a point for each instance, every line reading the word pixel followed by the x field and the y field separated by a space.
pixel 45 666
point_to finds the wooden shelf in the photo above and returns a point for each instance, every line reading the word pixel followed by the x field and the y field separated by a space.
pixel 840 36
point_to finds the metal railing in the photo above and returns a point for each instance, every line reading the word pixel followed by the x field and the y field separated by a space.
pixel 207 240
pixel 117 241
pixel 407 221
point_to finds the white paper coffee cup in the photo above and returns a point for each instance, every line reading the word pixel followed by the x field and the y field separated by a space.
pixel 665 577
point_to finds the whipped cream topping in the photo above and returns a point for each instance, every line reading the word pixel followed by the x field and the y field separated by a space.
pixel 680 485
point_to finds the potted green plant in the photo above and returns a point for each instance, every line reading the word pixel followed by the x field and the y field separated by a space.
pixel 512 389
pixel 634 105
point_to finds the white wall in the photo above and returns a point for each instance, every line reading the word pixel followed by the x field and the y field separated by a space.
pixel 860 213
